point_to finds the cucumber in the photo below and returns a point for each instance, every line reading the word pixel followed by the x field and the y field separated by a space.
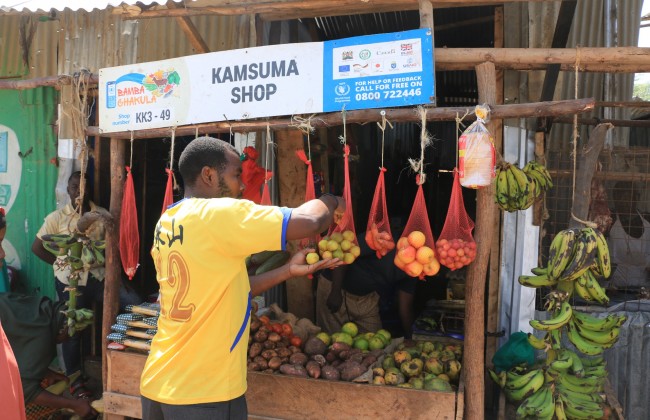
pixel 277 260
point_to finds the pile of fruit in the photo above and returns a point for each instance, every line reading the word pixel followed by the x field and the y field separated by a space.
pixel 349 335
pixel 567 385
pixel 517 189
pixel 380 241
pixel 341 245
pixel 414 257
pixel 421 365
pixel 456 253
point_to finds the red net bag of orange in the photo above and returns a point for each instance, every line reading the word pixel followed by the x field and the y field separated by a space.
pixel 310 194
pixel 129 235
pixel 168 200
pixel 415 249
pixel 455 246
pixel 341 241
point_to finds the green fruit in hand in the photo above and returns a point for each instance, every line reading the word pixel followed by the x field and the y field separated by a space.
pixel 338 254
pixel 350 328
pixel 312 258
pixel 337 237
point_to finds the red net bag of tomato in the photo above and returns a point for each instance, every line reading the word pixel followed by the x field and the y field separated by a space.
pixel 129 236
pixel 341 241
pixel 455 246
pixel 266 195
pixel 415 249
pixel 310 194
pixel 476 154
pixel 378 234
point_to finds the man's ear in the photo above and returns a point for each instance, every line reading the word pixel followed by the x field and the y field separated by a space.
pixel 208 175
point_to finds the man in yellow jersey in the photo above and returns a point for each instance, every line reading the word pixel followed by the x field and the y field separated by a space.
pixel 196 368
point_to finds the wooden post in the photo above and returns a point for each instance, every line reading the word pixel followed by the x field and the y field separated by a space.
pixel 474 363
pixel 292 176
pixel 426 14
pixel 113 263
pixel 585 168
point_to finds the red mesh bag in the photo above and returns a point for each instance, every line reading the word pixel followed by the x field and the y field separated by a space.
pixel 169 190
pixel 378 235
pixel 341 241
pixel 252 175
pixel 266 195
pixel 455 247
pixel 129 236
pixel 310 194
pixel 415 249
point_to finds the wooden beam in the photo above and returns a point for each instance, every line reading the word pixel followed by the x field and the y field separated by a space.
pixel 113 278
pixel 474 357
pixel 553 108
pixel 190 30
pixel 586 167
pixel 295 9
pixel 596 121
pixel 605 175
pixel 623 104
pixel 612 60
pixel 426 14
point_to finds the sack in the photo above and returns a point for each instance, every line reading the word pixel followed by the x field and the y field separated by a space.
pixel 129 235
pixel 515 351
pixel 476 154
pixel 168 200
pixel 252 175
pixel 342 240
pixel 415 249
pixel 310 194
pixel 378 235
pixel 455 246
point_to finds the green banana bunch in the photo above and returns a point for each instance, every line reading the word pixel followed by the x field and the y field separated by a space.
pixel 583 410
pixel 587 321
pixel 520 386
pixel 539 405
pixel 541 280
pixel 603 260
pixel 563 361
pixel 515 190
pixel 584 255
pixel 58 244
pixel 538 343
pixel 560 252
pixel 540 177
pixel 500 378
pixel 587 345
pixel 561 318
pixel 595 290
pixel 559 409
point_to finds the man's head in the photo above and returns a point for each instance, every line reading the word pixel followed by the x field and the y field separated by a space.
pixel 74 188
pixel 626 196
pixel 211 168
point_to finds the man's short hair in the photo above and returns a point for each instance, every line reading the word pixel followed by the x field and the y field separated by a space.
pixel 201 152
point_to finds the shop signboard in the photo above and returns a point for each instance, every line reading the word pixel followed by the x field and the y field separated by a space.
pixel 373 71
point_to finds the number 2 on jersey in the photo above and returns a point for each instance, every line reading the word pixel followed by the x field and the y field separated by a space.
pixel 178 278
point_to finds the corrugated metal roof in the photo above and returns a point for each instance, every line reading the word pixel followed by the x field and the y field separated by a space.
pixel 60 5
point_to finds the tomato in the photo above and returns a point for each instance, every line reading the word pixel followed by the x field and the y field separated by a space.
pixel 275 327
pixel 287 329
pixel 265 320
pixel 296 341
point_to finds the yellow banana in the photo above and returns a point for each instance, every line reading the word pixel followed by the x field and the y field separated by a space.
pixel 560 252
pixel 595 290
pixel 537 343
pixel 603 259
pixel 560 319
pixel 559 409
pixel 537 281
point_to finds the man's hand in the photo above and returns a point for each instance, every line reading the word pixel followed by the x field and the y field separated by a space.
pixel 52 377
pixel 334 301
pixel 298 266
pixel 83 409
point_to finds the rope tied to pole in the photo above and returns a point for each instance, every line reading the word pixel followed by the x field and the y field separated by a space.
pixel 304 125
pixel 382 127
pixel 425 141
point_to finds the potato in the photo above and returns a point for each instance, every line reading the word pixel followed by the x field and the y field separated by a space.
pixel 344 354
pixel 281 344
pixel 268 371
pixel 253 366
pixel 284 360
pixel 283 352
pixel 330 373
pixel 265 329
pixel 275 363
pixel 255 350
pixel 255 324
pixel 338 347
pixel 294 370
pixel 268 344
pixel 313 369
pixel 336 363
pixel 356 358
pixel 268 354
pixel 315 346
pixel 260 336
pixel 275 337
pixel 320 359
pixel 330 357
pixel 352 371
pixel 298 359
pixel 368 361
pixel 294 349
pixel 262 362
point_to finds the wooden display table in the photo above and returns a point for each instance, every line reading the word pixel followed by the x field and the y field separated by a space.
pixel 285 397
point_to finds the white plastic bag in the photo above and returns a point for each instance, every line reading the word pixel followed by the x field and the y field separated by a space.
pixel 476 154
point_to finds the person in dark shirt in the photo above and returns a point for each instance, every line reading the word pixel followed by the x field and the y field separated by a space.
pixel 362 291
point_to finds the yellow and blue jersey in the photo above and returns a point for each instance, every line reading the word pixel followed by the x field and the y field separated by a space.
pixel 199 352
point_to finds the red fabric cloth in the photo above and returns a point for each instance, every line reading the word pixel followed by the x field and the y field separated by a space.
pixel 129 235
pixel 310 194
pixel 11 389
pixel 169 190
pixel 252 176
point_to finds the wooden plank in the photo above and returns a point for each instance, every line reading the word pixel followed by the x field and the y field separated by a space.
pixel 394 115
pixel 596 121
pixel 605 175
pixel 426 14
pixel 113 263
pixel 612 401
pixel 473 359
pixel 122 405
pixel 125 369
pixel 190 30
pixel 292 176
pixel 540 156
pixel 298 398
pixel 294 9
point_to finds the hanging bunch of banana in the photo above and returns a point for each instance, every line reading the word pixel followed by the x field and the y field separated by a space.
pixel 517 189
pixel 78 254
pixel 592 335
pixel 577 259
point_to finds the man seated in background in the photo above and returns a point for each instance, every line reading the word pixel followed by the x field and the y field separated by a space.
pixel 364 292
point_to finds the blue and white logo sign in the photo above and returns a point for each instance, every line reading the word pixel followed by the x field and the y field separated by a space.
pixel 385 70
